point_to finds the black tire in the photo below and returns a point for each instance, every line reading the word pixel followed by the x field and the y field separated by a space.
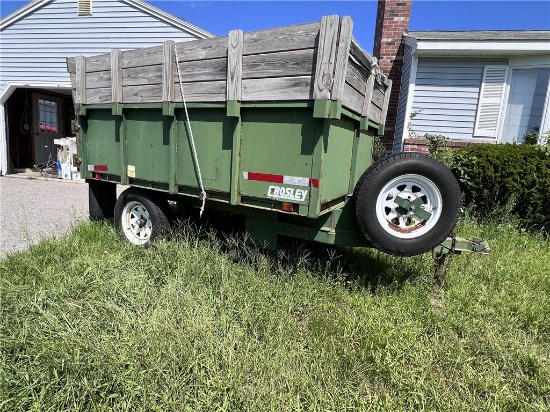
pixel 429 197
pixel 141 217
pixel 101 199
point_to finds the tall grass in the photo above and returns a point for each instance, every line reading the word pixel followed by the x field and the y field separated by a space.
pixel 198 324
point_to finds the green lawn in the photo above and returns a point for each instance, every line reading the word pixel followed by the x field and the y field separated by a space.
pixel 92 323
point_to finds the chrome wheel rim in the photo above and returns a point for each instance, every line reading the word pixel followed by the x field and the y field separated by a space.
pixel 136 223
pixel 409 206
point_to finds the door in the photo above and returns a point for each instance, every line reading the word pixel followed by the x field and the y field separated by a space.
pixel 47 126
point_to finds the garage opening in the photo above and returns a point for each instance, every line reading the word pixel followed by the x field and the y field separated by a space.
pixel 35 118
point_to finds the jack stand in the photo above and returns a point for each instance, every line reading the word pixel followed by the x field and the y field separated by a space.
pixel 454 246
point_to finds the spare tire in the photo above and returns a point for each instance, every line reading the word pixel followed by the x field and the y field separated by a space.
pixel 407 204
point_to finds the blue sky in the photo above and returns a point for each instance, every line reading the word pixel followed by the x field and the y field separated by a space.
pixel 222 16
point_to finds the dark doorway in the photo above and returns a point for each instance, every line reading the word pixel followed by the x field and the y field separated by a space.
pixel 35 118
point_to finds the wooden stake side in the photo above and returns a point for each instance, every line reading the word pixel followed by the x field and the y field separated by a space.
pixel 80 94
pixel 326 53
pixel 168 78
pixel 235 65
pixel 342 58
pixel 116 76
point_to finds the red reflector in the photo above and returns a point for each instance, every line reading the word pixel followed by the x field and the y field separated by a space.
pixel 98 168
pixel 315 183
pixel 265 177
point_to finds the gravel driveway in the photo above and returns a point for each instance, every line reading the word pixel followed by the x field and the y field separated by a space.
pixel 33 209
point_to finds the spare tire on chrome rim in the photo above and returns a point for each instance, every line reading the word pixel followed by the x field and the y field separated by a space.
pixel 407 204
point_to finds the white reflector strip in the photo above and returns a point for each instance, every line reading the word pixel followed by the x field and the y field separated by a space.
pixel 297 181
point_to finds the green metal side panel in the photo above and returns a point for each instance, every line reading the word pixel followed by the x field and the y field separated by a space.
pixel 148 140
pixel 277 141
pixel 362 156
pixel 336 162
pixel 213 135
pixel 100 140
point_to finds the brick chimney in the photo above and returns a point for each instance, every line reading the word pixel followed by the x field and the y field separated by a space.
pixel 392 19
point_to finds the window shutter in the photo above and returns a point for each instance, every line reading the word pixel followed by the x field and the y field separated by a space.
pixel 84 7
pixel 490 101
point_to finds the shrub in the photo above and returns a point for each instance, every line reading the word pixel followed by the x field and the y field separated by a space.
pixel 378 149
pixel 513 178
pixel 438 147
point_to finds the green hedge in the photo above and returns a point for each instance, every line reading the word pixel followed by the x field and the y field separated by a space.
pixel 510 177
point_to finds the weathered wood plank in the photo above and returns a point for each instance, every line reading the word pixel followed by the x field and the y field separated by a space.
pixel 168 70
pixel 213 48
pixel 136 76
pixel 378 95
pixel 364 58
pixel 326 51
pixel 356 78
pixel 98 95
pixel 352 99
pixel 71 65
pixel 98 79
pixel 98 63
pixel 280 88
pixel 204 70
pixel 201 70
pixel 234 65
pixel 282 64
pixel 386 102
pixel 369 90
pixel 80 80
pixel 146 56
pixel 116 76
pixel 202 91
pixel 375 114
pixel 342 58
pixel 194 92
pixel 302 36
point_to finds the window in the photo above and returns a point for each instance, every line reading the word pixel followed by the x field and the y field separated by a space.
pixel 528 88
pixel 47 111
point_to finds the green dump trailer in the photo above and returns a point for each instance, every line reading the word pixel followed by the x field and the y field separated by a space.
pixel 275 125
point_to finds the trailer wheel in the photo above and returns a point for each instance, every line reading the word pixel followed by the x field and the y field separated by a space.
pixel 406 204
pixel 141 217
pixel 101 199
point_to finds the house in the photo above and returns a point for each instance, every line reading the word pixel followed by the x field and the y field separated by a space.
pixel 470 86
pixel 35 90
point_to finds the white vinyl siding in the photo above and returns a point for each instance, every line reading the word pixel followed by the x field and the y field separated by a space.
pixel 34 48
pixel 446 92
pixel 490 104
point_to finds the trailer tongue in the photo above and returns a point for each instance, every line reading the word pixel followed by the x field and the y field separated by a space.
pixel 275 125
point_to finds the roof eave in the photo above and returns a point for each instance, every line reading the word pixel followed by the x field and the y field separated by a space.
pixel 169 18
pixel 22 12
pixel 446 48
pixel 139 4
